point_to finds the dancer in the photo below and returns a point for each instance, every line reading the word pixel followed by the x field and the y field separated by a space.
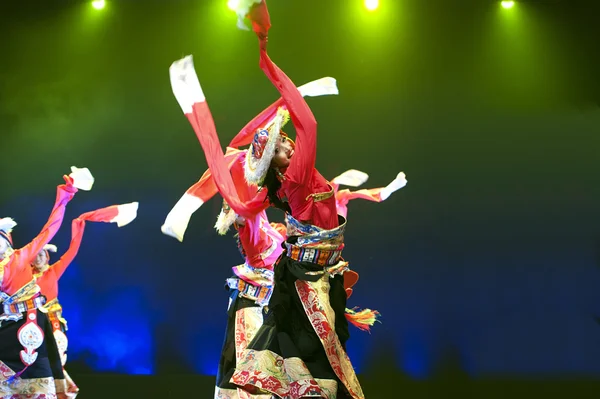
pixel 251 286
pixel 258 240
pixel 30 365
pixel 300 349
pixel 178 218
pixel 47 275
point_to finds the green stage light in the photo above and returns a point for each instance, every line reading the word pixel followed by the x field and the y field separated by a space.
pixel 98 4
pixel 371 4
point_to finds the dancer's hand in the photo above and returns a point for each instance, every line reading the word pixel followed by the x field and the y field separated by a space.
pixel 69 187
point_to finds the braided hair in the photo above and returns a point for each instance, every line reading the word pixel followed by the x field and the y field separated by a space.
pixel 273 184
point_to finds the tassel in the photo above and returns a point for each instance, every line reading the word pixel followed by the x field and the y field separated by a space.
pixel 14 377
pixel 362 319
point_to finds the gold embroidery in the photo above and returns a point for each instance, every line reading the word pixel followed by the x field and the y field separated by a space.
pixel 27 292
pixel 247 323
pixel 321 196
pixel 265 371
pixel 330 387
pixel 61 386
pixel 322 317
pixel 32 386
pixel 239 393
pixel 53 306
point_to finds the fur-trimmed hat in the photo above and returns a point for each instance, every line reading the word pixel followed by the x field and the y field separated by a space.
pixel 262 150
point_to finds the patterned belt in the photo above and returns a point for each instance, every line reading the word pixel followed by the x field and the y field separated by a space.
pixel 260 295
pixel 24 306
pixel 312 255
pixel 14 311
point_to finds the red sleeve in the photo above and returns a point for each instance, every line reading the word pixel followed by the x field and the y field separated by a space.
pixel 371 194
pixel 206 188
pixel 77 229
pixel 342 196
pixel 206 132
pixel 302 164
pixel 64 194
pixel 251 238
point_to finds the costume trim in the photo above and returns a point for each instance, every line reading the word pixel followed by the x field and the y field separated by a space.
pixel 287 378
pixel 314 296
pixel 321 196
pixel 260 295
pixel 25 388
pixel 255 168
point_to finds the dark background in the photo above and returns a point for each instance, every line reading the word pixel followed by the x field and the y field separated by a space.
pixel 484 266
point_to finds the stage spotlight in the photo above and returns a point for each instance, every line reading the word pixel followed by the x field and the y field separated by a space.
pixel 233 4
pixel 371 4
pixel 508 4
pixel 98 4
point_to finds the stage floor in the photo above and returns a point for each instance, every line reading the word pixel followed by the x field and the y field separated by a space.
pixel 382 386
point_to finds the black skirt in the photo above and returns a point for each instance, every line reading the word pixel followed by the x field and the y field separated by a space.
pixel 227 362
pixel 287 330
pixel 48 362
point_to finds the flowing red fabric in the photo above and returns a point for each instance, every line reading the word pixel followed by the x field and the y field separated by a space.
pixel 48 282
pixel 206 132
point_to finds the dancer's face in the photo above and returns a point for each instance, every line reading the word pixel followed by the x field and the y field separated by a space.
pixel 41 260
pixel 4 245
pixel 284 151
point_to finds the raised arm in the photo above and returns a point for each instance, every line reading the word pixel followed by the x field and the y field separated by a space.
pixel 302 164
pixel 188 92
pixel 77 229
pixel 64 194
pixel 321 87
pixel 120 214
pixel 342 197
pixel 369 194
pixel 177 220
pixel 305 153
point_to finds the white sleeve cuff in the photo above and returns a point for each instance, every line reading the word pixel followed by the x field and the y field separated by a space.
pixel 185 84
pixel 126 214
pixel 82 178
pixel 178 219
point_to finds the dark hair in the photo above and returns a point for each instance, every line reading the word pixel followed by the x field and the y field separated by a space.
pixel 272 184
pixel 238 241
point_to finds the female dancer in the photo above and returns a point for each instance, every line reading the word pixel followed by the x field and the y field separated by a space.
pixel 47 276
pixel 178 218
pixel 300 349
pixel 30 365
pixel 250 289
